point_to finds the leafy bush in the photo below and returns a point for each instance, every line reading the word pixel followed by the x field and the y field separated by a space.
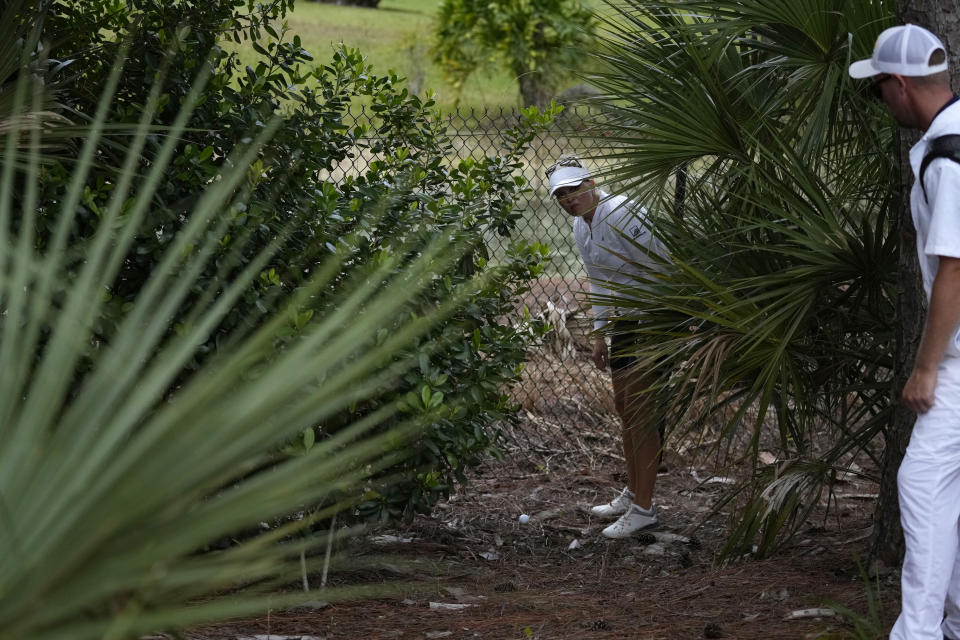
pixel 110 483
pixel 289 204
pixel 536 40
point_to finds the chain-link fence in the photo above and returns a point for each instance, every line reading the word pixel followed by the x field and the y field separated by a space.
pixel 561 384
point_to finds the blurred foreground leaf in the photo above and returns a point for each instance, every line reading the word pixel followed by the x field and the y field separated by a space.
pixel 120 459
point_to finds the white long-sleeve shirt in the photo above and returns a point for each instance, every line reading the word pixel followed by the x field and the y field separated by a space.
pixel 601 244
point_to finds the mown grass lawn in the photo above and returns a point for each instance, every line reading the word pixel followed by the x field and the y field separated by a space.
pixel 397 36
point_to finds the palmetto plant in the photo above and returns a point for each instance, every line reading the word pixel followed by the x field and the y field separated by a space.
pixel 777 307
pixel 119 462
pixel 20 48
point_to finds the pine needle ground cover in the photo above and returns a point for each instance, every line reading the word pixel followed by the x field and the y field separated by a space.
pixel 491 577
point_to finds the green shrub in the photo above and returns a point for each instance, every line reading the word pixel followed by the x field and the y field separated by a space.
pixel 537 41
pixel 286 203
pixel 110 483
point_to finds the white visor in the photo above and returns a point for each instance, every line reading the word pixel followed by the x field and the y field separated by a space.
pixel 567 177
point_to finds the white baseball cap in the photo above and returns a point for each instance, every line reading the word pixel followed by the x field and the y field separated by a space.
pixel 903 50
pixel 567 177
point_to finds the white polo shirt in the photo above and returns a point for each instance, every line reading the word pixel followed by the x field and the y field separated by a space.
pixel 602 244
pixel 937 221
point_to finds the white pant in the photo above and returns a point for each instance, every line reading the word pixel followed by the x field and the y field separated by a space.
pixel 929 487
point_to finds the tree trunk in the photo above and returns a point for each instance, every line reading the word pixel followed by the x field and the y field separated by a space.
pixel 533 90
pixel 943 18
pixel 887 534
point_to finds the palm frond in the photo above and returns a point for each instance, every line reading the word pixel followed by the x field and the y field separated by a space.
pixel 774 307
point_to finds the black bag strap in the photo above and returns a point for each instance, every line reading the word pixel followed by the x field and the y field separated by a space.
pixel 941 147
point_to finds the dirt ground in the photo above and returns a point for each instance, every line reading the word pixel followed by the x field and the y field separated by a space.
pixel 472 570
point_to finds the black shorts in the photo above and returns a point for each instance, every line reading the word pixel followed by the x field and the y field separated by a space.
pixel 623 342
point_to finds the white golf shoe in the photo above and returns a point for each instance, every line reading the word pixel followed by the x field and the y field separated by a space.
pixel 636 519
pixel 615 507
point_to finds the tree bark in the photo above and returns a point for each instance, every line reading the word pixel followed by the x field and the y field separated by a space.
pixel 942 17
pixel 887 534
pixel 533 91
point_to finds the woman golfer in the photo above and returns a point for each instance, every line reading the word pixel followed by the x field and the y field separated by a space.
pixel 602 225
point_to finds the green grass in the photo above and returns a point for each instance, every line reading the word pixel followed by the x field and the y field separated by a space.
pixel 396 36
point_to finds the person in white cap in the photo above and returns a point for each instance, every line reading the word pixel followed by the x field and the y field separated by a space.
pixel 909 72
pixel 602 225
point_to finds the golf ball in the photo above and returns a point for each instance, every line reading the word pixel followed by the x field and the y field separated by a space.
pixel 524 518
